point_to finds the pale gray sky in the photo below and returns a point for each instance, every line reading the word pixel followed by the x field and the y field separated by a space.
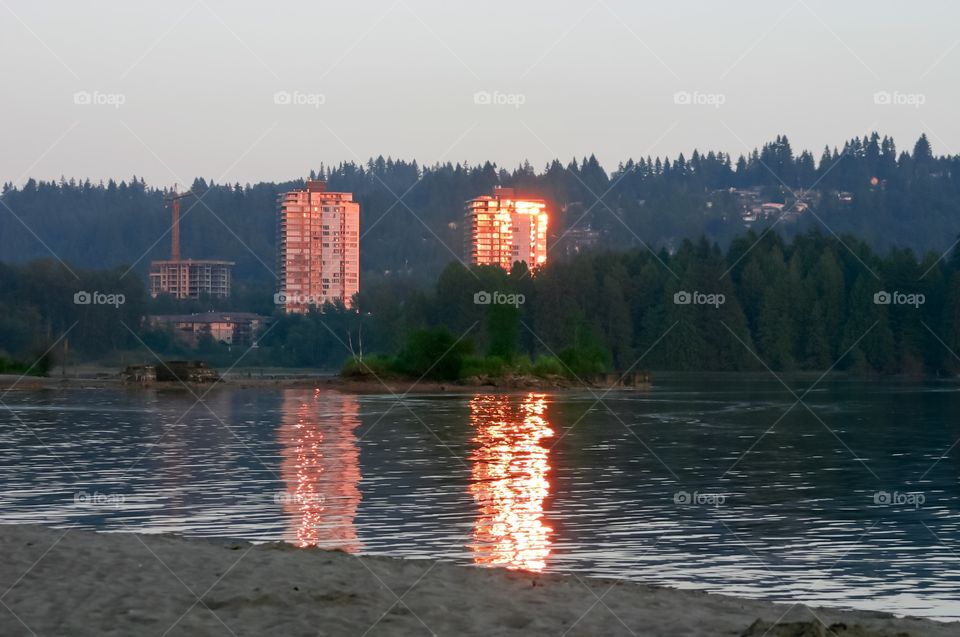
pixel 198 80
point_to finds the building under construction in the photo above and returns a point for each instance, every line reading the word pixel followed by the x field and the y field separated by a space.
pixel 187 278
pixel 190 278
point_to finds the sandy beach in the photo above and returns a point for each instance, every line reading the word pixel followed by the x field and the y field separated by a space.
pixel 71 582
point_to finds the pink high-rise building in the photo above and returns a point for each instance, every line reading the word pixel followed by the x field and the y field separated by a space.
pixel 318 247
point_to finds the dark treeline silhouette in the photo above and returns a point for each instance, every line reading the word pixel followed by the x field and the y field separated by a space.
pixel 814 303
pixel 892 199
pixel 47 309
pixel 805 304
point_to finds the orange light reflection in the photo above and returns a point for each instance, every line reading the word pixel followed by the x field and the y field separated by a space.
pixel 321 467
pixel 509 481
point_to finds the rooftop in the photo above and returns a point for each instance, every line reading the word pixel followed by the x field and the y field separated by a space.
pixel 209 317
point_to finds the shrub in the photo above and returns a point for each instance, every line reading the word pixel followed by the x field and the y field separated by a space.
pixel 584 362
pixel 378 366
pixel 433 353
pixel 483 366
pixel 549 366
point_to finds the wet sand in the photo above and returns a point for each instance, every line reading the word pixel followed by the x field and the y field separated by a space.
pixel 74 582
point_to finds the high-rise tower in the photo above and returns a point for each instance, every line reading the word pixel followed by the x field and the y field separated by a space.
pixel 318 247
pixel 503 229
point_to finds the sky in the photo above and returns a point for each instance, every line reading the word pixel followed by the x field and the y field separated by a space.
pixel 247 92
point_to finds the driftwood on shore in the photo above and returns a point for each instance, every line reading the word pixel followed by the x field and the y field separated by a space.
pixel 170 371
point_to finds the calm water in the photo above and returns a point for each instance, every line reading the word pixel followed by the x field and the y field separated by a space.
pixel 843 504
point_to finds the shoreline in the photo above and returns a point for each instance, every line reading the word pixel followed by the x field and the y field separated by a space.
pixel 85 582
pixel 347 385
pixel 94 378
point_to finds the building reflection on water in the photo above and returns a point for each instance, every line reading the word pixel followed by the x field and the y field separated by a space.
pixel 509 481
pixel 321 468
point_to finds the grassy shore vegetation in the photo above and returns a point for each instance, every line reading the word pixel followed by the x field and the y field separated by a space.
pixel 39 366
pixel 437 354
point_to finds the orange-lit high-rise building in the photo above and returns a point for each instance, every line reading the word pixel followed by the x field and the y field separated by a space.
pixel 318 246
pixel 503 229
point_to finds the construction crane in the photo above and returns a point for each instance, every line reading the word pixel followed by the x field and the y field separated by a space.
pixel 173 198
